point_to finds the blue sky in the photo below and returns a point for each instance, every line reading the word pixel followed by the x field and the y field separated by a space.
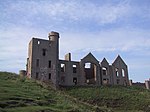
pixel 104 27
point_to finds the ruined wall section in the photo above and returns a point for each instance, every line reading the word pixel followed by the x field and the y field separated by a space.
pixel 43 58
pixel 94 62
pixel 29 59
pixel 106 73
pixel 120 72
pixel 147 84
pixel 43 64
pixel 69 73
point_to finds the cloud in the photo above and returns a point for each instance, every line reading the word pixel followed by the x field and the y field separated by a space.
pixel 107 41
pixel 68 15
pixel 14 46
pixel 103 27
pixel 62 10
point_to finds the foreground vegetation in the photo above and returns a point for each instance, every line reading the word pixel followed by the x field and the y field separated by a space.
pixel 25 95
pixel 117 98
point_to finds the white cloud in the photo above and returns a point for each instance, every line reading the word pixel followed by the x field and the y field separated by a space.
pixel 72 10
pixel 14 46
pixel 58 11
pixel 18 17
pixel 106 41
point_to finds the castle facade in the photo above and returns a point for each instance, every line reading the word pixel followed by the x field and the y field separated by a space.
pixel 43 64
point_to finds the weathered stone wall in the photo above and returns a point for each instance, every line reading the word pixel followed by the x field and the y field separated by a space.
pixel 147 84
pixel 106 73
pixel 43 58
pixel 43 64
pixel 120 72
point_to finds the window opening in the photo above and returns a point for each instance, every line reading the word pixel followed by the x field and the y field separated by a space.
pixel 62 67
pixel 123 73
pixel 49 64
pixel 104 69
pixel 75 80
pixel 49 76
pixel 39 42
pixel 90 70
pixel 117 73
pixel 37 62
pixel 44 52
pixel 37 75
pixel 118 81
pixel 87 65
pixel 62 79
pixel 74 68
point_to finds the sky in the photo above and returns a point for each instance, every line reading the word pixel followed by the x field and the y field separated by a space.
pixel 106 28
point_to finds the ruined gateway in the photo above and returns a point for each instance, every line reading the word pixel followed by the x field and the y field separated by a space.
pixel 43 64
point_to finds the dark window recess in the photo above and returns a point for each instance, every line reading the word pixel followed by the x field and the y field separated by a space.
pixel 125 82
pixel 44 52
pixel 75 80
pixel 74 69
pixel 118 81
pixel 49 76
pixel 62 79
pixel 49 64
pixel 62 67
pixel 104 70
pixel 37 62
pixel 37 75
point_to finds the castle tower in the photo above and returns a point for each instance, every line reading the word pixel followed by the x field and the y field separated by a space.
pixel 43 58
pixel 54 43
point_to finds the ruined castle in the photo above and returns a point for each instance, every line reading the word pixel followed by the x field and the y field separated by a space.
pixel 43 64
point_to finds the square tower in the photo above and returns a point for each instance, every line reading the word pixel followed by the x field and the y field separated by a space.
pixel 43 58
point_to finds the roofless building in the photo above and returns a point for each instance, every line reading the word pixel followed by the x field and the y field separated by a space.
pixel 43 64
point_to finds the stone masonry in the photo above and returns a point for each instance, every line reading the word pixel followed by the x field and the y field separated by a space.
pixel 43 64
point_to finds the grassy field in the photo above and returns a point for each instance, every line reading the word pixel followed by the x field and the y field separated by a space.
pixel 26 95
pixel 117 98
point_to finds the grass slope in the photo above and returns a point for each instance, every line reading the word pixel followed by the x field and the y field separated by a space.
pixel 117 98
pixel 25 95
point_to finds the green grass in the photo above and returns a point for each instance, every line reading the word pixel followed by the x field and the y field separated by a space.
pixel 27 95
pixel 115 97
